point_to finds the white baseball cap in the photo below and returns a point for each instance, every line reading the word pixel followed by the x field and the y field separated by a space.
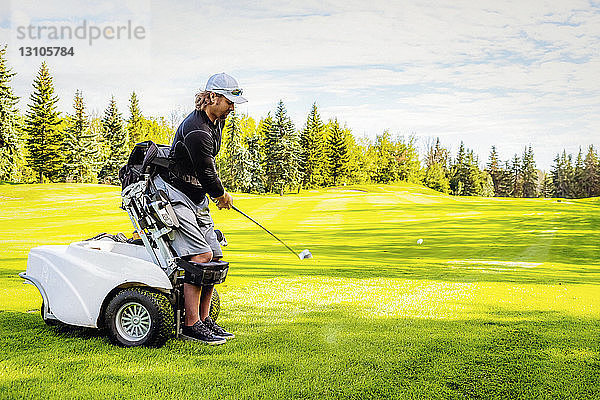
pixel 227 86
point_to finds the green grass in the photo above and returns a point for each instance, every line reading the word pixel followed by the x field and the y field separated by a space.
pixel 502 300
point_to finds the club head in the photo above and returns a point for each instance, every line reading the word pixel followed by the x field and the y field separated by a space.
pixel 304 254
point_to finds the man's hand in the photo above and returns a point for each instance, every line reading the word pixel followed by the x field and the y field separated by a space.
pixel 225 201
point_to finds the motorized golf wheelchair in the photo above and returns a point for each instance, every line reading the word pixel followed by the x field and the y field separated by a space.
pixel 132 288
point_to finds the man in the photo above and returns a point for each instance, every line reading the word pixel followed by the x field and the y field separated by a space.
pixel 193 176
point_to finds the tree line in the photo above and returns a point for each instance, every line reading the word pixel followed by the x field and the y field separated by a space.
pixel 270 155
pixel 516 177
pixel 46 146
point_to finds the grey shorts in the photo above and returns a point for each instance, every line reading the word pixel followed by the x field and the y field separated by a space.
pixel 195 234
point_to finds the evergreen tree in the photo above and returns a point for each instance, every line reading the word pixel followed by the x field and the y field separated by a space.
pixel 80 147
pixel 569 174
pixel 10 141
pixel 437 154
pixel 557 174
pixel 311 143
pixel 273 151
pixel 579 183
pixel 563 175
pixel 236 173
pixel 262 129
pixel 591 173
pixel 516 177
pixel 546 187
pixel 338 155
pixel 508 179
pixel 266 146
pixel 493 166
pixel 282 152
pixel 436 167
pixel 473 183
pixel 466 179
pixel 256 184
pixel 504 183
pixel 292 174
pixel 114 138
pixel 135 121
pixel 459 173
pixel 479 183
pixel 529 174
pixel 96 130
pixel 42 124
pixel 499 175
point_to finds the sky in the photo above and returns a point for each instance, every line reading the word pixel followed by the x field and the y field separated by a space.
pixel 503 73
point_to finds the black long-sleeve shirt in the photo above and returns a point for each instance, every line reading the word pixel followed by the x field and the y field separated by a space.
pixel 195 146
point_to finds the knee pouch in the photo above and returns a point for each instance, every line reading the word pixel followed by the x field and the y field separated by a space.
pixel 204 274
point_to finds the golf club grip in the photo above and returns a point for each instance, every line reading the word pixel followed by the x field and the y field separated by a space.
pixel 265 229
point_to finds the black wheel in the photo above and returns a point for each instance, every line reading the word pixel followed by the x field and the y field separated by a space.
pixel 215 305
pixel 139 317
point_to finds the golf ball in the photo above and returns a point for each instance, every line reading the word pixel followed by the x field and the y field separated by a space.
pixel 420 241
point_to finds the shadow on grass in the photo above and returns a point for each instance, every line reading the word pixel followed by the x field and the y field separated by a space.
pixel 11 267
pixel 503 248
pixel 479 269
pixel 321 353
pixel 10 274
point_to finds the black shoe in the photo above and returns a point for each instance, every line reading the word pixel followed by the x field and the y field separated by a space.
pixel 217 330
pixel 200 332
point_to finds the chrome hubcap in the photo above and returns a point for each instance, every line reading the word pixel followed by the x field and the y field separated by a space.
pixel 133 321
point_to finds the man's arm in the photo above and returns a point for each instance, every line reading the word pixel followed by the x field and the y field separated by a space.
pixel 199 145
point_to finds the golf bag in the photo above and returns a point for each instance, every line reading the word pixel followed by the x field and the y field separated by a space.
pixel 146 158
pixel 155 221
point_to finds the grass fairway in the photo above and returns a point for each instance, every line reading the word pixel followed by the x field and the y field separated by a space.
pixel 502 300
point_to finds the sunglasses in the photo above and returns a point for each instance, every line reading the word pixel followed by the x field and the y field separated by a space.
pixel 235 92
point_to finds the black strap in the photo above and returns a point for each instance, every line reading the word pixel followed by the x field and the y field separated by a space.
pixel 194 267
pixel 163 162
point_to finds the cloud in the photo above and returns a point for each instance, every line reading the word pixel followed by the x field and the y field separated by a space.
pixel 506 73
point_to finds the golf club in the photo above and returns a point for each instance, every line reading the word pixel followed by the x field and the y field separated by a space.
pixel 304 254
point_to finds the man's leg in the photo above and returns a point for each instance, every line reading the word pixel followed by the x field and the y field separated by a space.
pixel 205 298
pixel 191 294
pixel 200 297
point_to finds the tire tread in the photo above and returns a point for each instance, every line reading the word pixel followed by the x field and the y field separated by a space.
pixel 163 325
